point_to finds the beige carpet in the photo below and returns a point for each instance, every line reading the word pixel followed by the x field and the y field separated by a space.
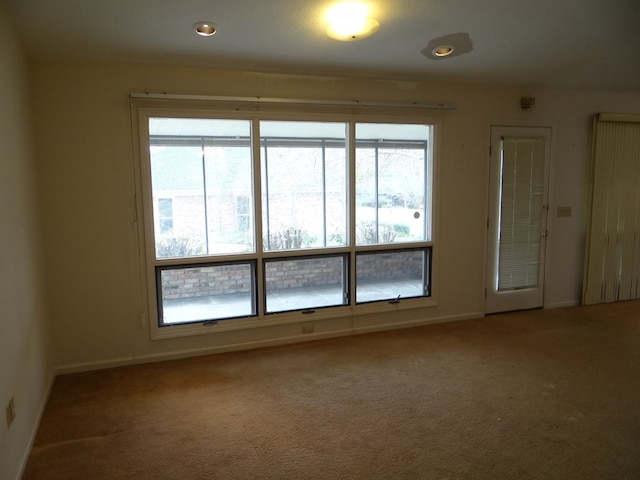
pixel 532 395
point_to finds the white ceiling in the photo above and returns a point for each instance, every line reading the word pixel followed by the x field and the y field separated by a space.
pixel 577 44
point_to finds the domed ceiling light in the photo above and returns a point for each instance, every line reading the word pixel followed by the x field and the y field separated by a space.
pixel 350 21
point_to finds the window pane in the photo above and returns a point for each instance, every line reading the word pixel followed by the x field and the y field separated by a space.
pixel 176 175
pixel 214 292
pixel 393 183
pixel 228 173
pixel 392 275
pixel 306 283
pixel 303 185
pixel 203 167
pixel 165 215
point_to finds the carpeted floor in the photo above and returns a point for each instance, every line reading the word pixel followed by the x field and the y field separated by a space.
pixel 549 394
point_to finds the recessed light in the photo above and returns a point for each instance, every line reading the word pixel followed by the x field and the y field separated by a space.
pixel 205 29
pixel 349 21
pixel 448 46
pixel 443 50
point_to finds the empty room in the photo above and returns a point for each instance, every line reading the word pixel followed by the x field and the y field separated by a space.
pixel 298 239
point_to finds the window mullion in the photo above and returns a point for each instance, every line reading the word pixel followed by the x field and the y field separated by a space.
pixel 324 194
pixel 265 175
pixel 426 193
pixel 258 227
pixel 351 215
pixel 375 196
pixel 204 188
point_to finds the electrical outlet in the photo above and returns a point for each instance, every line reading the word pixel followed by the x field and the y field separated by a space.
pixel 10 412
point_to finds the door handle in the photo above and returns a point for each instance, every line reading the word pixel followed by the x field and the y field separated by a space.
pixel 544 234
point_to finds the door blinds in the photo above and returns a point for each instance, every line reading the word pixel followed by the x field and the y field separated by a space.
pixel 612 270
pixel 521 212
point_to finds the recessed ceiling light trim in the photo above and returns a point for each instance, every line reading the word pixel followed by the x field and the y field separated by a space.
pixel 205 29
pixel 443 50
pixel 448 46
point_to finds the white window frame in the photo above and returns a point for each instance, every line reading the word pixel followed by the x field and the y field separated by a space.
pixel 142 109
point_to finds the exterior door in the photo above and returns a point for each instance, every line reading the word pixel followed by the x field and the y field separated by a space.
pixel 517 223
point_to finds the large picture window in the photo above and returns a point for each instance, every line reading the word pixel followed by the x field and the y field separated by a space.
pixel 255 216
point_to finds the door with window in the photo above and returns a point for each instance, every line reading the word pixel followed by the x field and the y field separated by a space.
pixel 517 223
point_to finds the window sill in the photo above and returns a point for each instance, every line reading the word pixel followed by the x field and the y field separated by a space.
pixel 289 318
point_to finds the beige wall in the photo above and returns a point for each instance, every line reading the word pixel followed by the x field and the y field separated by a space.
pixel 26 362
pixel 84 151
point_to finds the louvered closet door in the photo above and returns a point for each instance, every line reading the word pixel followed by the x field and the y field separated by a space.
pixel 612 271
pixel 518 218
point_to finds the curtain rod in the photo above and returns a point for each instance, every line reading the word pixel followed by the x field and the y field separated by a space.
pixel 340 103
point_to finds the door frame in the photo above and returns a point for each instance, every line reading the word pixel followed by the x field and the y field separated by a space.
pixel 521 299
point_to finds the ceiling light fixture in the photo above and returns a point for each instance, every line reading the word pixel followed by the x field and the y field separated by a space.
pixel 443 50
pixel 448 46
pixel 350 21
pixel 205 29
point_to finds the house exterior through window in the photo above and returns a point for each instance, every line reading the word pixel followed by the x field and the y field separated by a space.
pixel 262 216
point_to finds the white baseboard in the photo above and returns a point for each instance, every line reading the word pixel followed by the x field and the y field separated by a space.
pixel 418 322
pixel 178 354
pixel 253 344
pixel 36 426
pixel 565 304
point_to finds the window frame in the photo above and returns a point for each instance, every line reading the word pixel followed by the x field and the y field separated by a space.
pixel 177 266
pixel 142 109
pixel 427 272
pixel 309 256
